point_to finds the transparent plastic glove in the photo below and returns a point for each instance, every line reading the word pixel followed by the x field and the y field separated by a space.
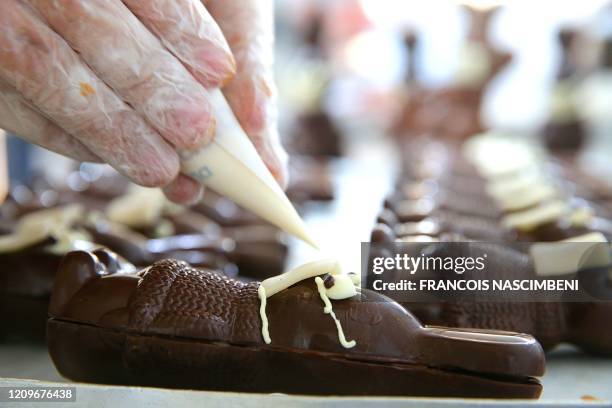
pixel 248 27
pixel 90 79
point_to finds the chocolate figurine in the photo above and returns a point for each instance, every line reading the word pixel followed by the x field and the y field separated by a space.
pixel 565 131
pixel 453 112
pixel 171 325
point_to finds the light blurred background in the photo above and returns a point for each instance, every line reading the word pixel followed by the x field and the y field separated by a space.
pixel 348 59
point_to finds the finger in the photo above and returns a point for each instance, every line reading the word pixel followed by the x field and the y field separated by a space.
pixel 248 27
pixel 186 29
pixel 130 59
pixel 184 190
pixel 19 118
pixel 48 73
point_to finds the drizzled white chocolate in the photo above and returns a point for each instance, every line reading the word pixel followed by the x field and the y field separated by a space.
pixel 263 299
pixel 324 293
pixel 57 223
pixel 310 270
pixel 344 287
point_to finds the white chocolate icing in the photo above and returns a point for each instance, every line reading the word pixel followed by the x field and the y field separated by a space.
pixel 530 219
pixel 37 226
pixel 328 309
pixel 570 255
pixel 265 332
pixel 231 166
pixel 280 282
pixel 344 288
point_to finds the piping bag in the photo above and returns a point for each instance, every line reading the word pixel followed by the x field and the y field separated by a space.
pixel 231 166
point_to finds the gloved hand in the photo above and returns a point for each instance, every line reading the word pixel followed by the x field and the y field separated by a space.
pixel 124 82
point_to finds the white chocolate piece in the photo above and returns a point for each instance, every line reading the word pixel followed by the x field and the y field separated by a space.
pixel 231 166
pixel 265 332
pixel 530 219
pixel 527 198
pixel 71 241
pixel 356 278
pixel 499 189
pixel 499 157
pixel 280 282
pixel 581 217
pixel 571 255
pixel 37 226
pixel 328 309
pixel 140 207
pixel 343 288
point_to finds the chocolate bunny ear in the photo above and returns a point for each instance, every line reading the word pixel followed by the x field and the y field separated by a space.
pixel 76 269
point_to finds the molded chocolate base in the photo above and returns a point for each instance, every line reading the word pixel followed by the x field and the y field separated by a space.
pixel 92 354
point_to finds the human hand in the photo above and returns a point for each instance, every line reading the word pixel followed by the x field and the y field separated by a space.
pixel 124 82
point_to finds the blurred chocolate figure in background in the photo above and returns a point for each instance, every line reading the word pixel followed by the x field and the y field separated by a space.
pixel 565 131
pixel 453 112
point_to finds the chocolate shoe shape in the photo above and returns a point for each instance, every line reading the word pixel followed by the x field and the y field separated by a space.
pixel 580 323
pixel 171 325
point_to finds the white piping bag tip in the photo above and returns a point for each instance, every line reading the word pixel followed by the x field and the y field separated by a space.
pixel 305 236
pixel 231 167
